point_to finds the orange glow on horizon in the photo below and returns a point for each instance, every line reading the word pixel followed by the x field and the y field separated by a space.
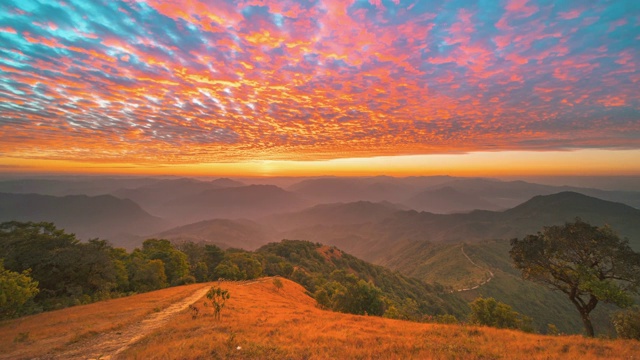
pixel 509 163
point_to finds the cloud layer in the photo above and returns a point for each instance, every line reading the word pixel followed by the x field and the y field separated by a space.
pixel 191 81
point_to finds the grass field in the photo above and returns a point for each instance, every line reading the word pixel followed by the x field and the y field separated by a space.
pixel 46 333
pixel 261 321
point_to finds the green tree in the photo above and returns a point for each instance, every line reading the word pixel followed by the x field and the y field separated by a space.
pixel 145 274
pixel 176 266
pixel 228 271
pixel 46 250
pixel 200 271
pixel 15 290
pixel 587 263
pixel 202 259
pixel 239 265
pixel 66 269
pixel 274 265
pixel 212 256
pixel 96 269
pixel 120 257
pixel 356 296
pixel 490 312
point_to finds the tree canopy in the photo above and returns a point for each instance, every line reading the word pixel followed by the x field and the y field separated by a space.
pixel 490 312
pixel 589 264
pixel 15 290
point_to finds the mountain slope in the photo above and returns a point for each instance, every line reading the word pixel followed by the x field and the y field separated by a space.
pixel 315 265
pixel 448 200
pixel 507 194
pixel 565 206
pixel 73 185
pixel 225 233
pixel 156 196
pixel 235 202
pixel 376 241
pixel 449 265
pixel 336 190
pixel 333 214
pixel 103 216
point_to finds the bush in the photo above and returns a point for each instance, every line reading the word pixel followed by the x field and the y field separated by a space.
pixel 218 297
pixel 627 323
pixel 490 312
pixel 277 283
pixel 446 319
pixel 16 289
pixel 187 279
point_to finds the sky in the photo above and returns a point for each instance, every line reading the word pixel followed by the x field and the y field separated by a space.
pixel 324 87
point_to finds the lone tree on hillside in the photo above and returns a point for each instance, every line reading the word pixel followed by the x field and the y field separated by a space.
pixel 588 263
pixel 218 297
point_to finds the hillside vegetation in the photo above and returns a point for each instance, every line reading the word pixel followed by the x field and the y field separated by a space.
pixel 57 270
pixel 329 274
pixel 263 321
pixel 447 264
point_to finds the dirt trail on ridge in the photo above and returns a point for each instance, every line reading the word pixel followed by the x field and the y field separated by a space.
pixel 110 344
pixel 491 274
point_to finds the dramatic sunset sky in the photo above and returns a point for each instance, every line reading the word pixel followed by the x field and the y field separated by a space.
pixel 269 87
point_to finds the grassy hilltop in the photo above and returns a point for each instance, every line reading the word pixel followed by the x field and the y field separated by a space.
pixel 263 321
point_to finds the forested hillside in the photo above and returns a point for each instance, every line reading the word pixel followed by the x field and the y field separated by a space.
pixel 56 270
pixel 331 275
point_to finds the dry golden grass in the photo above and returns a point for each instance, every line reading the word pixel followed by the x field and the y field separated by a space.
pixel 42 334
pixel 262 322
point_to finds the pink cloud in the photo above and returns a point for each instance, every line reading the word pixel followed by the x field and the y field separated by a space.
pixel 8 29
pixel 570 14
pixel 520 8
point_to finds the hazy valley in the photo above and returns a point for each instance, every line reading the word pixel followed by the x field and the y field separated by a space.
pixel 437 243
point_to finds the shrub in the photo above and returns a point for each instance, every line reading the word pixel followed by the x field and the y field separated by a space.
pixel 218 297
pixel 278 284
pixel 16 289
pixel 490 312
pixel 627 323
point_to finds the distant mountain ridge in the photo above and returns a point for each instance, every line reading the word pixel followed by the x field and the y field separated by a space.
pixel 448 200
pixel 373 189
pixel 507 194
pixel 442 194
pixel 333 214
pixel 436 194
pixel 370 241
pixel 103 216
pixel 375 230
pixel 224 233
pixel 250 201
pixel 62 186
pixel 155 197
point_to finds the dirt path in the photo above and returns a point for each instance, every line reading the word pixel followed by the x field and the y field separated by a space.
pixel 478 266
pixel 109 345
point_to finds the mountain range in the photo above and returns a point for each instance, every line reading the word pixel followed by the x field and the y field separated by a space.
pixel 366 228
pixel 372 240
pixel 453 231
pixel 104 216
